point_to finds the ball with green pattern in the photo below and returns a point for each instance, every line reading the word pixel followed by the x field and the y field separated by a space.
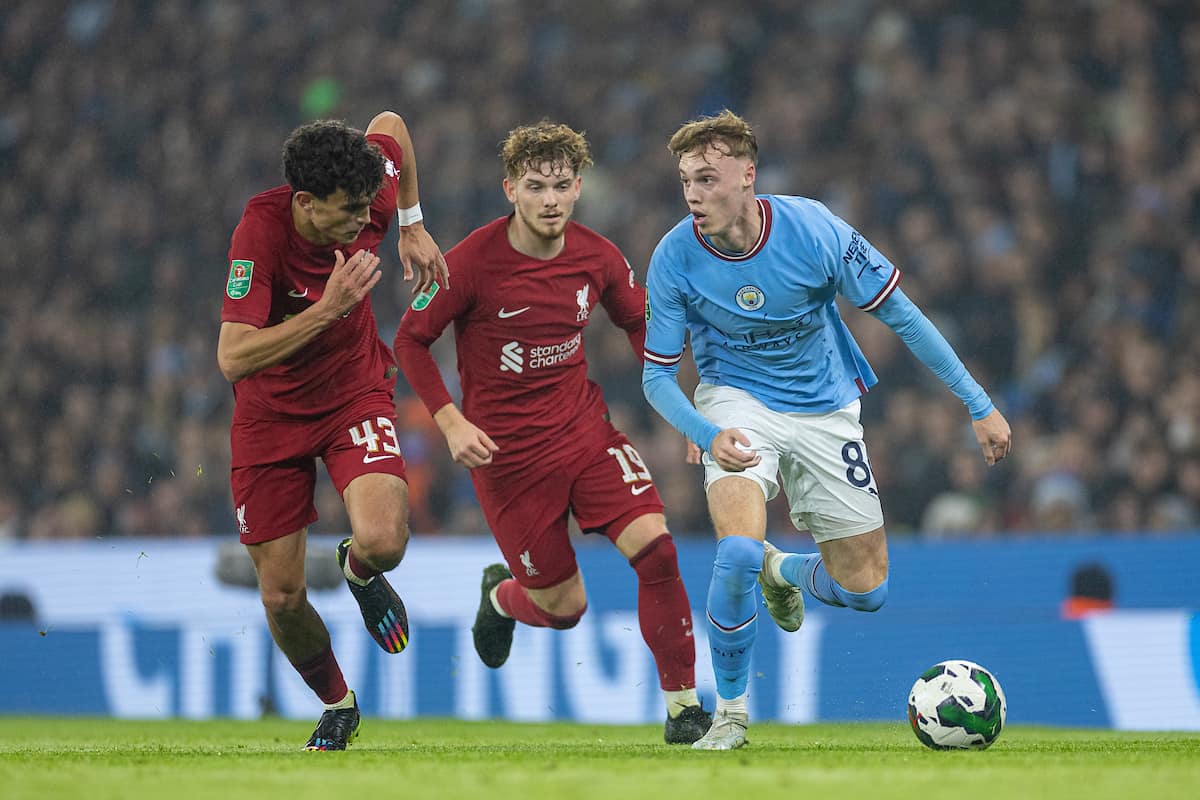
pixel 957 705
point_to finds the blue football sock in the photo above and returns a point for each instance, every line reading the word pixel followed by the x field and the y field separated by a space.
pixel 807 570
pixel 864 601
pixel 733 612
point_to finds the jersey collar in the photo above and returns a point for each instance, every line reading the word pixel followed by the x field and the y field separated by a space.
pixel 764 208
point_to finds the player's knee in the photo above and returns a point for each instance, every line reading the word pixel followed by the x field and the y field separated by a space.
pixel 565 621
pixel 560 606
pixel 383 546
pixel 283 600
pixel 731 599
pixel 562 616
pixel 657 562
pixel 872 600
pixel 386 558
pixel 740 554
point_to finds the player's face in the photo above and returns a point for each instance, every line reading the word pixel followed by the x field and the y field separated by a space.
pixel 717 188
pixel 544 199
pixel 337 218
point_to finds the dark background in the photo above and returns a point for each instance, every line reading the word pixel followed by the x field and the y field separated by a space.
pixel 1032 167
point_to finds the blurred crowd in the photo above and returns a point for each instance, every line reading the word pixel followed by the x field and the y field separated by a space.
pixel 1032 167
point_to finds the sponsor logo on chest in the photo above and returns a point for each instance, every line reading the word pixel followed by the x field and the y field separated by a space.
pixel 516 358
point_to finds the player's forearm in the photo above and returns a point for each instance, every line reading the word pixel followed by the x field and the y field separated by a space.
pixel 392 124
pixel 931 348
pixel 408 195
pixel 244 350
pixel 662 391
pixel 420 370
pixel 637 340
pixel 447 418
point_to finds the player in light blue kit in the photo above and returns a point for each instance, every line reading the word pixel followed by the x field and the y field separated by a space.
pixel 753 280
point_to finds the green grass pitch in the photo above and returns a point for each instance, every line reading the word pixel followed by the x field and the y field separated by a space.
pixel 50 758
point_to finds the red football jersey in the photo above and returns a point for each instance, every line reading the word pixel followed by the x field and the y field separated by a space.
pixel 518 326
pixel 275 273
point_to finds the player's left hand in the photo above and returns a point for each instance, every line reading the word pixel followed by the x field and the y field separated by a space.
pixel 994 436
pixel 693 453
pixel 731 450
pixel 469 445
pixel 418 249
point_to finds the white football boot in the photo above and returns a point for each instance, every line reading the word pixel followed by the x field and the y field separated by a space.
pixel 728 732
pixel 785 603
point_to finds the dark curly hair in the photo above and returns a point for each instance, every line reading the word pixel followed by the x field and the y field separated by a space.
pixel 324 156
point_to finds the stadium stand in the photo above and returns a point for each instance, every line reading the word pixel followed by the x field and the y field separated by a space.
pixel 1033 167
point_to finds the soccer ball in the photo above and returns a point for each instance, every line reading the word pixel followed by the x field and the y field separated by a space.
pixel 956 705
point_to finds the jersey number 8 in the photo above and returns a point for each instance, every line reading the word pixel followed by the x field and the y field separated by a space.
pixel 858 471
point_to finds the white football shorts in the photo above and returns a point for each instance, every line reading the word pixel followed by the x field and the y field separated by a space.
pixel 819 459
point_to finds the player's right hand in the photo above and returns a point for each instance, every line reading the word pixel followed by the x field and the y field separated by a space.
pixel 470 446
pixel 418 249
pixel 994 436
pixel 350 281
pixel 731 450
pixel 694 453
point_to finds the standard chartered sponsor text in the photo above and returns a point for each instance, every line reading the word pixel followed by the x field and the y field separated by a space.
pixel 551 354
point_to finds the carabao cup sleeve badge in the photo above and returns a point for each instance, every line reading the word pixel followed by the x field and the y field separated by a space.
pixel 240 275
pixel 422 301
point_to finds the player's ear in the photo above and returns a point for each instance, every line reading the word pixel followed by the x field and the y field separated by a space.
pixel 510 191
pixel 750 174
pixel 304 199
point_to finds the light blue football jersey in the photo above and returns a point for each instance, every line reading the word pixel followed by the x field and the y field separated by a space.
pixel 766 321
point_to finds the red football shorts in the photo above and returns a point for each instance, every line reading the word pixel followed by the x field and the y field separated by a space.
pixel 274 485
pixel 606 488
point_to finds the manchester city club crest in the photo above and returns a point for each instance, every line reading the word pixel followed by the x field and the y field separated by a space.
pixel 750 298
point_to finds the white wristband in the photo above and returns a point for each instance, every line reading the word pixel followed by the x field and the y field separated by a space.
pixel 410 215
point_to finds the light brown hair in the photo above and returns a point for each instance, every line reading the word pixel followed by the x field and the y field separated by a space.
pixel 546 142
pixel 726 131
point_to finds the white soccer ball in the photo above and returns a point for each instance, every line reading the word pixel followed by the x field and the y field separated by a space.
pixel 957 705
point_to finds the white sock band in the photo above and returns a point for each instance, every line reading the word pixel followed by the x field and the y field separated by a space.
pixel 496 603
pixel 678 701
pixel 733 708
pixel 345 702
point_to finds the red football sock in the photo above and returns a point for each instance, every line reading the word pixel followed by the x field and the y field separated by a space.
pixel 665 614
pixel 361 569
pixel 517 603
pixel 324 676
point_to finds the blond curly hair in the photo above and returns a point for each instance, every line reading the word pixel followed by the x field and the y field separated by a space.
pixel 544 143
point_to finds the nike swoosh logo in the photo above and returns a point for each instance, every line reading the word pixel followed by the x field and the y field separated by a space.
pixel 636 490
pixel 372 459
pixel 294 293
pixel 506 314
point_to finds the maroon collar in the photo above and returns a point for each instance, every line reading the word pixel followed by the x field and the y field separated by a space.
pixel 765 209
